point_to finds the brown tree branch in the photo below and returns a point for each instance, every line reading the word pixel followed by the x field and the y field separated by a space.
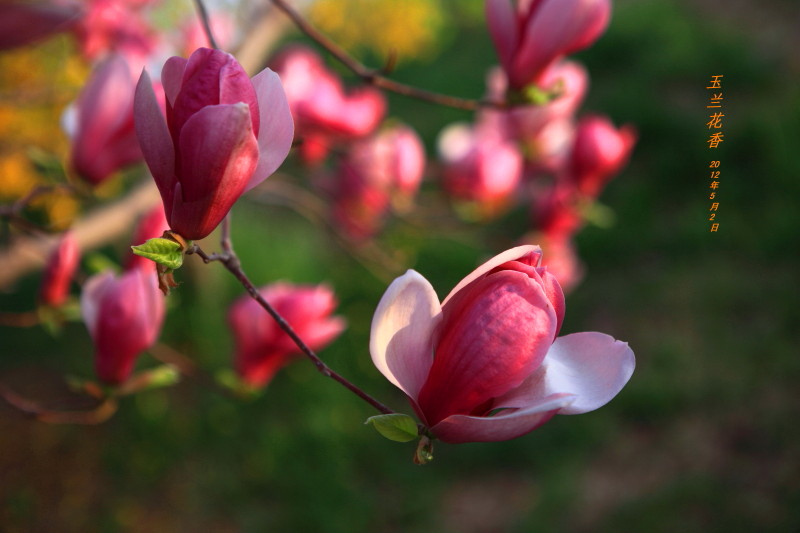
pixel 374 77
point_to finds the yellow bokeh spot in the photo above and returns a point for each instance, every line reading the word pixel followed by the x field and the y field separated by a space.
pixel 408 28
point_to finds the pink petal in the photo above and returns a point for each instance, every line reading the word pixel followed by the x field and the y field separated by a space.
pixel 402 328
pixel 592 366
pixel 503 426
pixel 559 27
pixel 502 22
pixel 218 155
pixel 172 77
pixel 154 137
pixel 491 339
pixel 509 255
pixel 91 295
pixel 277 127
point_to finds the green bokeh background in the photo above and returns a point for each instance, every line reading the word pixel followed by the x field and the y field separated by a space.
pixel 704 438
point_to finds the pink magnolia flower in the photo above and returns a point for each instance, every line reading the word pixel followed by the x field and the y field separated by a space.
pixel 124 316
pixel 600 151
pixel 224 134
pixel 153 224
pixel 530 35
pixel 546 131
pixel 480 165
pixel 486 365
pixel 382 169
pixel 59 271
pixel 116 26
pixel 26 22
pixel 262 348
pixel 320 106
pixel 104 139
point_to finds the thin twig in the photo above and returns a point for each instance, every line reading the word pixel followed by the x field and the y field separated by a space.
pixel 231 262
pixel 203 14
pixel 101 413
pixel 374 77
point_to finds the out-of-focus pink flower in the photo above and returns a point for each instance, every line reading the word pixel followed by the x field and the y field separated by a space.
pixel 529 35
pixel 384 168
pixel 485 365
pixel 557 213
pixel 25 22
pixel 116 26
pixel 262 347
pixel 193 35
pixel 224 134
pixel 320 106
pixel 480 165
pixel 599 152
pixel 124 317
pixel 59 270
pixel 153 224
pixel 545 131
pixel 104 139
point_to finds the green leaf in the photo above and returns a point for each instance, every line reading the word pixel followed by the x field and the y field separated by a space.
pixel 163 251
pixel 396 426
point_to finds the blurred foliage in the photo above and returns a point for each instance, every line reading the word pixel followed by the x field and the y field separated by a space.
pixel 703 439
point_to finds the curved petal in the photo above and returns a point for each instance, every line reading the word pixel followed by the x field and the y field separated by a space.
pixel 592 366
pixel 218 155
pixel 402 329
pixel 172 77
pixel 154 137
pixel 276 131
pixel 509 255
pixel 502 22
pixel 91 296
pixel 457 429
pixel 492 338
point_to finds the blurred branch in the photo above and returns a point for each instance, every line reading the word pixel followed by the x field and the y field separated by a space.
pixel 20 320
pixel 101 413
pixel 374 77
pixel 203 14
pixel 376 260
pixel 96 229
pixel 230 260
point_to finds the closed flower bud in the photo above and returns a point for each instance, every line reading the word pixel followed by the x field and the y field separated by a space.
pixel 599 152
pixel 103 137
pixel 124 316
pixel 530 35
pixel 262 347
pixel 58 272
pixel 486 365
pixel 223 135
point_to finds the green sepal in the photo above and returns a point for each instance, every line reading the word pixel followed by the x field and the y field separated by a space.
pixel 396 426
pixel 163 251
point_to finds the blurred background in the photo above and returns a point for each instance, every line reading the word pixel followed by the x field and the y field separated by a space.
pixel 705 437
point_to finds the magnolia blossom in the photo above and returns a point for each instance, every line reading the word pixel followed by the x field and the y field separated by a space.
pixel 480 165
pixel 101 123
pixel 59 270
pixel 530 35
pixel 376 172
pixel 486 364
pixel 223 135
pixel 24 22
pixel 323 111
pixel 262 347
pixel 600 151
pixel 124 316
pixel 116 26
